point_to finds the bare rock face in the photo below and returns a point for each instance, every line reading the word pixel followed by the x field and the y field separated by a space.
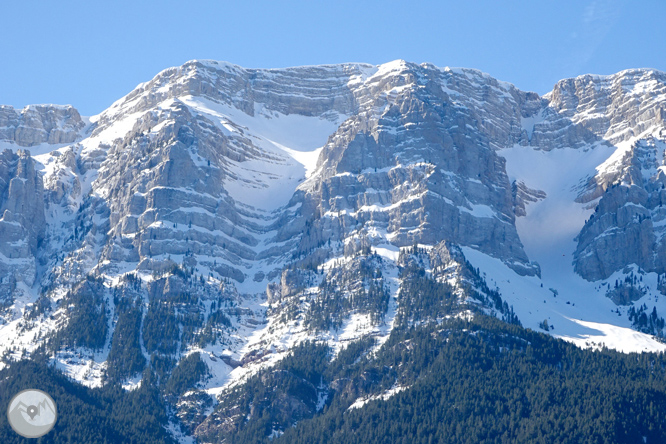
pixel 589 108
pixel 628 225
pixel 523 195
pixel 37 124
pixel 172 201
pixel 22 221
pixel 625 294
pixel 308 91
pixel 411 157
pixel 423 168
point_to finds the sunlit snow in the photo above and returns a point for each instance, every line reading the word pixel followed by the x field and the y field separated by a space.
pixel 580 312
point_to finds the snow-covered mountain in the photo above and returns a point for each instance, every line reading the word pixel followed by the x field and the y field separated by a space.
pixel 238 212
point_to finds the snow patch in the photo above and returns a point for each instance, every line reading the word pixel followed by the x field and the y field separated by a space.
pixel 360 402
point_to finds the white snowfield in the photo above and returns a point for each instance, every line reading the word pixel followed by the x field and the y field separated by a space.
pixel 297 140
pixel 580 312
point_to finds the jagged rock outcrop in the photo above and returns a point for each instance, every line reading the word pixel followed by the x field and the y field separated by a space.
pixel 414 161
pixel 629 222
pixel 308 91
pixel 617 107
pixel 523 196
pixel 22 221
pixel 37 124
pixel 417 164
pixel 589 109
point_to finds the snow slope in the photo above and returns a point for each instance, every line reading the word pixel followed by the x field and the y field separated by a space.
pixel 295 139
pixel 578 309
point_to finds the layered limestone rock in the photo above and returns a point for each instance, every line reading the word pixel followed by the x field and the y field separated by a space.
pixel 413 160
pixel 626 110
pixel 523 196
pixel 590 108
pixel 629 222
pixel 172 202
pixel 22 221
pixel 417 164
pixel 309 91
pixel 37 124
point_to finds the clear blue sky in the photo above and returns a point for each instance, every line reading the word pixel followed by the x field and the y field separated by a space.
pixel 91 53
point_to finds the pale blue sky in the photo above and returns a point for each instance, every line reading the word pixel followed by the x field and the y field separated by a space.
pixel 89 53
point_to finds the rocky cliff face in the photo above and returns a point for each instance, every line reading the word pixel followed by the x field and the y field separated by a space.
pixel 22 224
pixel 616 108
pixel 411 162
pixel 416 163
pixel 235 213
pixel 309 91
pixel 627 226
pixel 37 124
pixel 628 110
pixel 238 172
pixel 180 199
